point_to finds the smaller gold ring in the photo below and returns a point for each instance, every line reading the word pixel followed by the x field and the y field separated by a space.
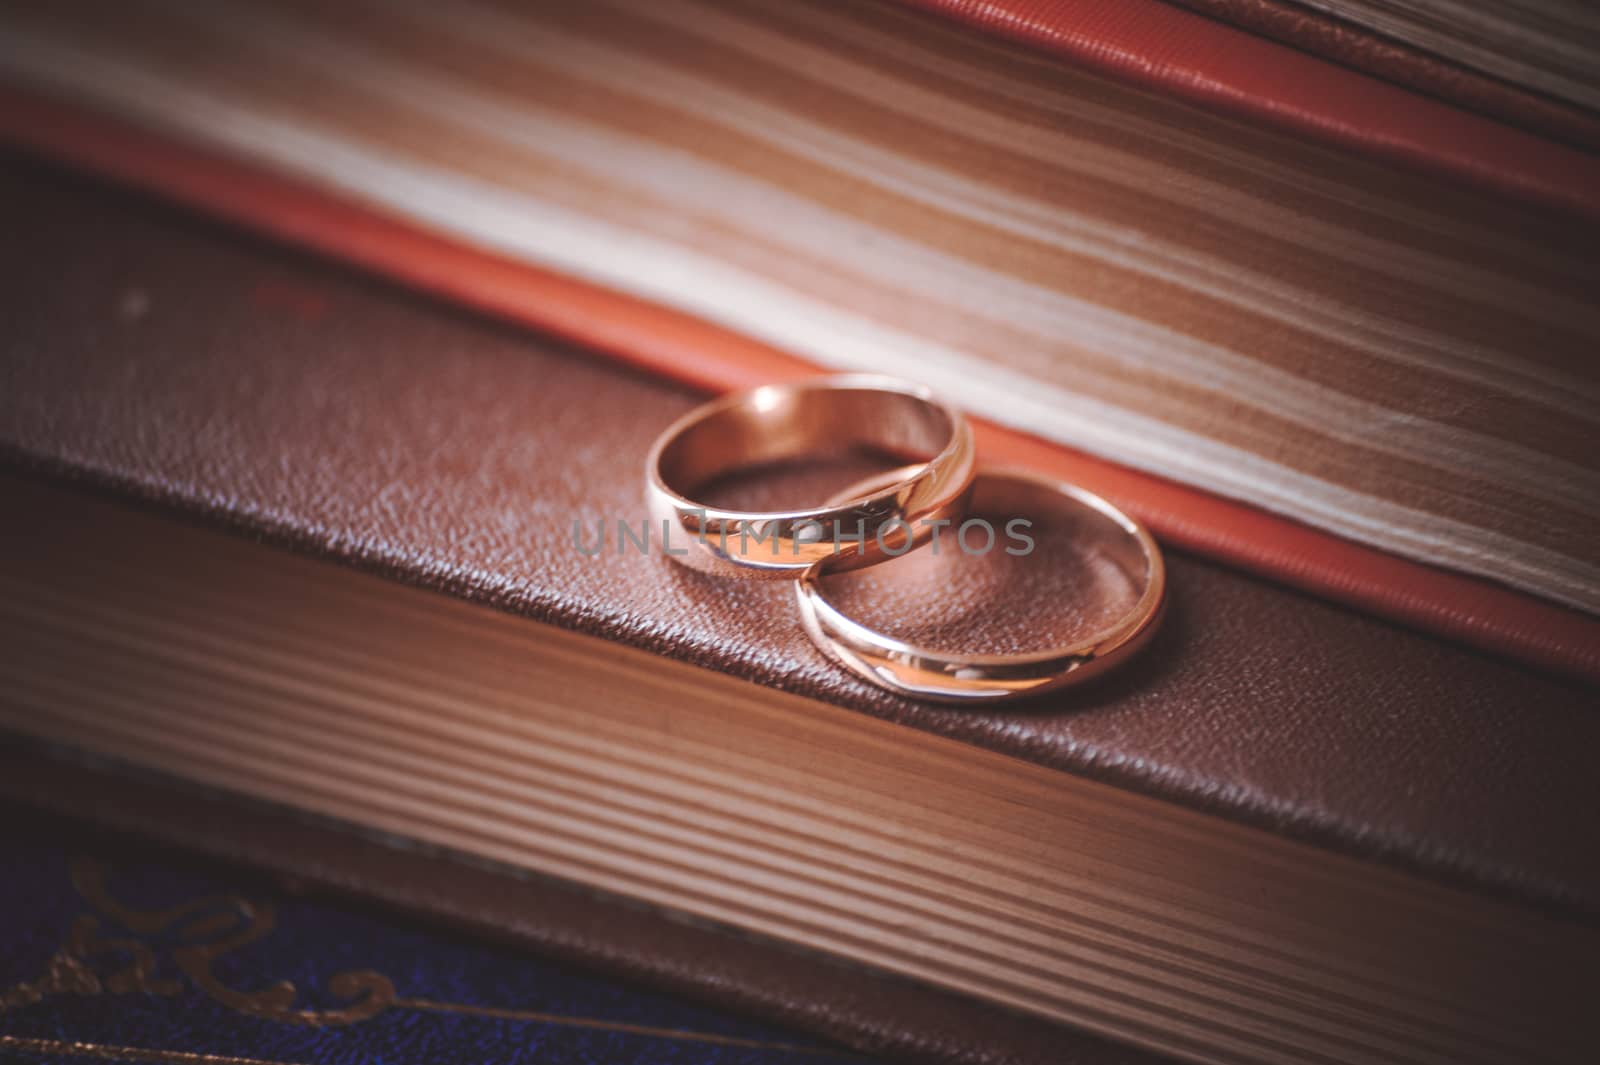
pixel 924 673
pixel 796 420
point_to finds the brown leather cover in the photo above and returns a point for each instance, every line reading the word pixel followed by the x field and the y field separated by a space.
pixel 157 357
pixel 1366 50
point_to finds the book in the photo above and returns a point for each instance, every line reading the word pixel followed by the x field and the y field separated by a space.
pixel 119 950
pixel 128 820
pixel 1549 47
pixel 1328 31
pixel 1286 833
pixel 1192 285
pixel 1306 68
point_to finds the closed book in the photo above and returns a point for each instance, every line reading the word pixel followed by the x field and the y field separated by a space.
pixel 1290 316
pixel 1530 65
pixel 119 950
pixel 283 533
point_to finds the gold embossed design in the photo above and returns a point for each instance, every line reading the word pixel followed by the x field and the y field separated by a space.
pixel 94 960
pixel 91 962
pixel 104 1052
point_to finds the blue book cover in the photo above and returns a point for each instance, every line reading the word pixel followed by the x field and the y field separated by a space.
pixel 158 960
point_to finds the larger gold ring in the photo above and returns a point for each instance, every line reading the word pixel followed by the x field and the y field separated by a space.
pixel 802 419
pixel 924 673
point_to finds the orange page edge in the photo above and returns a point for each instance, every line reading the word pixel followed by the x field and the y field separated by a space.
pixel 1462 608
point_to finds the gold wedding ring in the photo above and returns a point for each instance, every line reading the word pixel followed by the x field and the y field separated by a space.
pixel 824 415
pixel 884 517
pixel 925 673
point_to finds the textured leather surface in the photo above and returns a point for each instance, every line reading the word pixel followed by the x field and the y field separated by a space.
pixel 1355 46
pixel 1180 53
pixel 150 355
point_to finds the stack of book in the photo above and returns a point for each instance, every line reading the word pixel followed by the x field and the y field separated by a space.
pixel 290 578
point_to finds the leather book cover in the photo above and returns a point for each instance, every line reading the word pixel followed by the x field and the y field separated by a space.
pixel 162 360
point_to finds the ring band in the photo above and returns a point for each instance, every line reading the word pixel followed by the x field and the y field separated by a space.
pixel 794 420
pixel 923 673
